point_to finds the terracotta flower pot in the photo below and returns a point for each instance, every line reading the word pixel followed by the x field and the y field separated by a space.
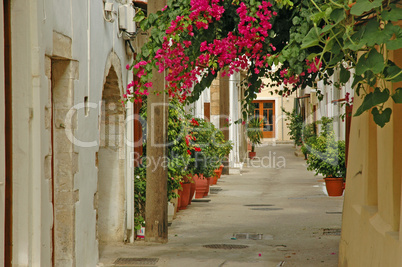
pixel 192 192
pixel 251 155
pixel 217 175
pixel 180 192
pixel 185 195
pixel 334 186
pixel 208 183
pixel 201 185
pixel 211 180
pixel 220 170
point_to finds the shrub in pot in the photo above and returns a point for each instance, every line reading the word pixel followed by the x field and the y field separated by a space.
pixel 254 134
pixel 295 125
pixel 208 148
pixel 309 136
pixel 327 157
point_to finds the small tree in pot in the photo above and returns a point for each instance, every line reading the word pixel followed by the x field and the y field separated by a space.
pixel 254 134
pixel 327 157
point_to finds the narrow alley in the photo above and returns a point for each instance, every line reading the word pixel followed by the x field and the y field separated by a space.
pixel 273 213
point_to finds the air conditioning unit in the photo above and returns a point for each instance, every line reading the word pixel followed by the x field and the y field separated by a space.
pixel 126 16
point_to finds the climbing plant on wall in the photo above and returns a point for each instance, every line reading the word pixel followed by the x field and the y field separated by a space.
pixel 295 43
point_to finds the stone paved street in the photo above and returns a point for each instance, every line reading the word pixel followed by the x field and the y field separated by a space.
pixel 274 196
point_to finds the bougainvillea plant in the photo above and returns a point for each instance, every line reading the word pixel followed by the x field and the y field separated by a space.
pixel 294 43
pixel 191 41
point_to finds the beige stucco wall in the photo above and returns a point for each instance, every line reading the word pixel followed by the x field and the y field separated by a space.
pixel 371 225
pixel 281 130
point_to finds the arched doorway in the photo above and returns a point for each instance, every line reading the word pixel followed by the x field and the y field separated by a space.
pixel 111 163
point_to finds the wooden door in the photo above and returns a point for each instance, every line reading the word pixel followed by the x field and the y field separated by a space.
pixel 265 110
pixel 207 111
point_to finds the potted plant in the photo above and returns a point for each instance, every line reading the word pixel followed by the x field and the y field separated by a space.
pixel 295 125
pixel 327 157
pixel 254 134
pixel 309 136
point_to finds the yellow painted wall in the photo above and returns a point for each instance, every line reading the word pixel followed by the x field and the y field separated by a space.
pixel 371 226
pixel 281 130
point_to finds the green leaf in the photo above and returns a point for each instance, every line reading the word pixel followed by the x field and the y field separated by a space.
pixel 375 61
pixel 370 78
pixel 312 38
pixel 373 99
pixel 338 15
pixel 371 32
pixel 372 60
pixel 145 51
pixel 356 80
pixel 327 28
pixel 317 17
pixel 381 118
pixel 144 25
pixel 152 18
pixel 328 12
pixel 397 96
pixel 394 44
pixel 394 72
pixel 296 20
pixel 394 14
pixel 139 16
pixel 362 6
pixel 337 58
pixel 361 65
pixel 354 43
pixel 344 75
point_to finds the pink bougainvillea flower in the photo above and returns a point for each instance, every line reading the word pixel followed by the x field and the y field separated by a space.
pixel 140 73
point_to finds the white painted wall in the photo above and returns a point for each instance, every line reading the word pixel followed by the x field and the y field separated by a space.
pixel 2 136
pixel 333 110
pixel 33 23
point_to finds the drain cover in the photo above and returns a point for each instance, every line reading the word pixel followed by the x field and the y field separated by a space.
pixel 266 209
pixel 130 261
pixel 225 246
pixel 331 231
pixel 248 236
pixel 334 212
pixel 214 190
pixel 258 205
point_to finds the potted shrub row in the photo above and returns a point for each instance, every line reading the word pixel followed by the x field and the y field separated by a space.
pixel 327 157
pixel 209 148
pixel 195 150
